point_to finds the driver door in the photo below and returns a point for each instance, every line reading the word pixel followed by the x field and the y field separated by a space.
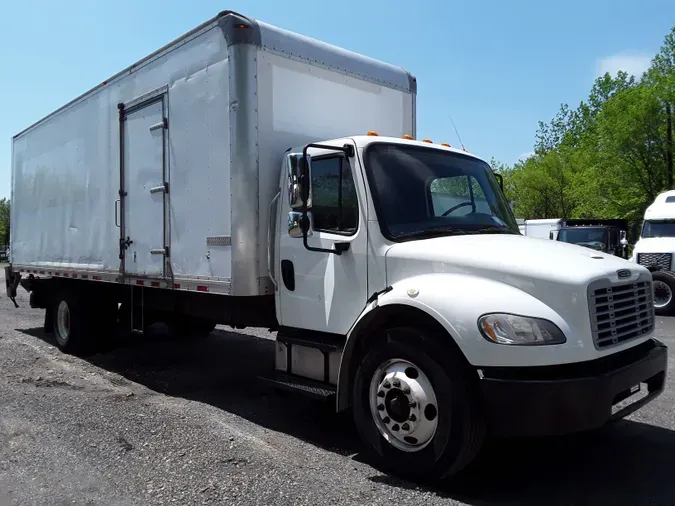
pixel 323 291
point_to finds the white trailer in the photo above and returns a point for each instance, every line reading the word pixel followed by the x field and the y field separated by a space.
pixel 226 178
pixel 542 228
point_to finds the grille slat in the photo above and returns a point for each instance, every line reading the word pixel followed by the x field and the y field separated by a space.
pixel 661 259
pixel 620 312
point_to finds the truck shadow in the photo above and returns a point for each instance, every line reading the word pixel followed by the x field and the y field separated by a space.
pixel 629 463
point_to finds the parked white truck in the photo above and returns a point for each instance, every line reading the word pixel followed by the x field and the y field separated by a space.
pixel 225 179
pixel 655 250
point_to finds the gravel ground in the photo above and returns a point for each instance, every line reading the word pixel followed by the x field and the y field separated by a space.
pixel 156 421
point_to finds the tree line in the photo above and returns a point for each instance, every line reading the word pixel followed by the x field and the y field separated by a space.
pixel 4 221
pixel 607 158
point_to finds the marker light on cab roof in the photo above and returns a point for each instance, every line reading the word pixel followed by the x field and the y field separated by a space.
pixel 427 140
pixel 406 136
pixel 372 132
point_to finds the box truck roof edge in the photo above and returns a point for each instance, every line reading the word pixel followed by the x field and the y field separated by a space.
pixel 240 29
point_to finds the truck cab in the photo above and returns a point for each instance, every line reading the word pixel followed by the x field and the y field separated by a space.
pixel 655 249
pixel 403 282
pixel 608 236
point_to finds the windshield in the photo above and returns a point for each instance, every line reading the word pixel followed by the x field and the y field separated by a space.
pixel 663 228
pixel 423 192
pixel 595 238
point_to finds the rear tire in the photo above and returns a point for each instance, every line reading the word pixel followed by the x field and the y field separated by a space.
pixel 410 381
pixel 664 293
pixel 72 319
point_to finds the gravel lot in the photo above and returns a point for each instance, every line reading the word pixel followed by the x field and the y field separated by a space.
pixel 157 421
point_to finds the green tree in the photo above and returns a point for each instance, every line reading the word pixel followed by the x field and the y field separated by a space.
pixel 4 221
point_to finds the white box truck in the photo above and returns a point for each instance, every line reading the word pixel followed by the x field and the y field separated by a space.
pixel 231 178
pixel 655 249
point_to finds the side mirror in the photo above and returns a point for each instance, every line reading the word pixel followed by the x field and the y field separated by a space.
pixel 305 164
pixel 299 176
pixel 500 179
pixel 623 240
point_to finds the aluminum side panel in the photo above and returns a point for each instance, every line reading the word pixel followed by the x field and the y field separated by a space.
pixel 66 168
pixel 299 103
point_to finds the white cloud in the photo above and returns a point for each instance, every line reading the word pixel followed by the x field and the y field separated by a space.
pixel 630 62
pixel 525 156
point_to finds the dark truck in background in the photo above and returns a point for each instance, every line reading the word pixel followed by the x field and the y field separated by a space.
pixel 608 236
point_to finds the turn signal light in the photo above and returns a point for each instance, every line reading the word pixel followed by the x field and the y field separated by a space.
pixel 372 132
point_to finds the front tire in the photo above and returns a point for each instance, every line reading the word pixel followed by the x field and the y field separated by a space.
pixel 415 406
pixel 664 293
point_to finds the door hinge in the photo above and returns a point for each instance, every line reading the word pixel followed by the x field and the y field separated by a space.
pixel 160 251
pixel 163 188
pixel 164 124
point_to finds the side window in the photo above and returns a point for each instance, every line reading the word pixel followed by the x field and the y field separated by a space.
pixel 461 192
pixel 334 202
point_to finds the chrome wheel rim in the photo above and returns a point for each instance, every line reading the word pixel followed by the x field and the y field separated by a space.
pixel 662 294
pixel 403 405
pixel 63 320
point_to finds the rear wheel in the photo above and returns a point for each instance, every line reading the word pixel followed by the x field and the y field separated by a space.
pixel 415 406
pixel 72 324
pixel 664 293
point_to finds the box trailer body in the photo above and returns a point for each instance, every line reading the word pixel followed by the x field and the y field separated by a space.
pixel 248 176
pixel 204 122
pixel 542 228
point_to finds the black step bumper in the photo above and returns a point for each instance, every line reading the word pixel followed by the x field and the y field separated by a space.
pixel 561 399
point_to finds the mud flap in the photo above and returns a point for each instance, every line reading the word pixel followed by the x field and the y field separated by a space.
pixel 12 280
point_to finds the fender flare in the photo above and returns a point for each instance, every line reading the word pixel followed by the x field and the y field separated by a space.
pixel 382 306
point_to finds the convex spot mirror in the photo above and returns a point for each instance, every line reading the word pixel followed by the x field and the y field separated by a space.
pixel 299 177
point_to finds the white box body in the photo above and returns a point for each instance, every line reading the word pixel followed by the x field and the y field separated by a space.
pixel 234 99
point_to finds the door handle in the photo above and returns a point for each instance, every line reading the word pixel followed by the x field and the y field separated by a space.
pixel 117 203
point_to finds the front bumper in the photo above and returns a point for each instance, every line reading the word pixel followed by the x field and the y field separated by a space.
pixel 561 399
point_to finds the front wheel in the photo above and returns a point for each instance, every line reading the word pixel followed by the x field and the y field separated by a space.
pixel 664 293
pixel 415 406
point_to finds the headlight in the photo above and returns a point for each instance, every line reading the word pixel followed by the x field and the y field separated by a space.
pixel 519 330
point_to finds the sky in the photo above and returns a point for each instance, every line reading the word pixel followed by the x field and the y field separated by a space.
pixel 496 67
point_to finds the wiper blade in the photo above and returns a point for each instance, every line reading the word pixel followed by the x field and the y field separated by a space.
pixel 431 232
pixel 494 229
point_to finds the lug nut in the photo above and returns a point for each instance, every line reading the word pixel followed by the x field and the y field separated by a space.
pixel 386 384
pixel 395 427
pixel 405 426
pixel 412 418
pixel 397 383
pixel 406 390
pixel 386 419
pixel 380 393
pixel 380 407
pixel 413 404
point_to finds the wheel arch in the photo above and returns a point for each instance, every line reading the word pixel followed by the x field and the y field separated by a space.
pixel 365 333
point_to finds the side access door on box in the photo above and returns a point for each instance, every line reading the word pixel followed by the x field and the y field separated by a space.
pixel 144 186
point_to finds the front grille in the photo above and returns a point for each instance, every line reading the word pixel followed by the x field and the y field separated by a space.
pixel 661 259
pixel 620 312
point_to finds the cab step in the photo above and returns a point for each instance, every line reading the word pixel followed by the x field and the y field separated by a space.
pixel 303 386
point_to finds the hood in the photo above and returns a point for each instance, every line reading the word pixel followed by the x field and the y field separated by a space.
pixel 655 245
pixel 513 259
